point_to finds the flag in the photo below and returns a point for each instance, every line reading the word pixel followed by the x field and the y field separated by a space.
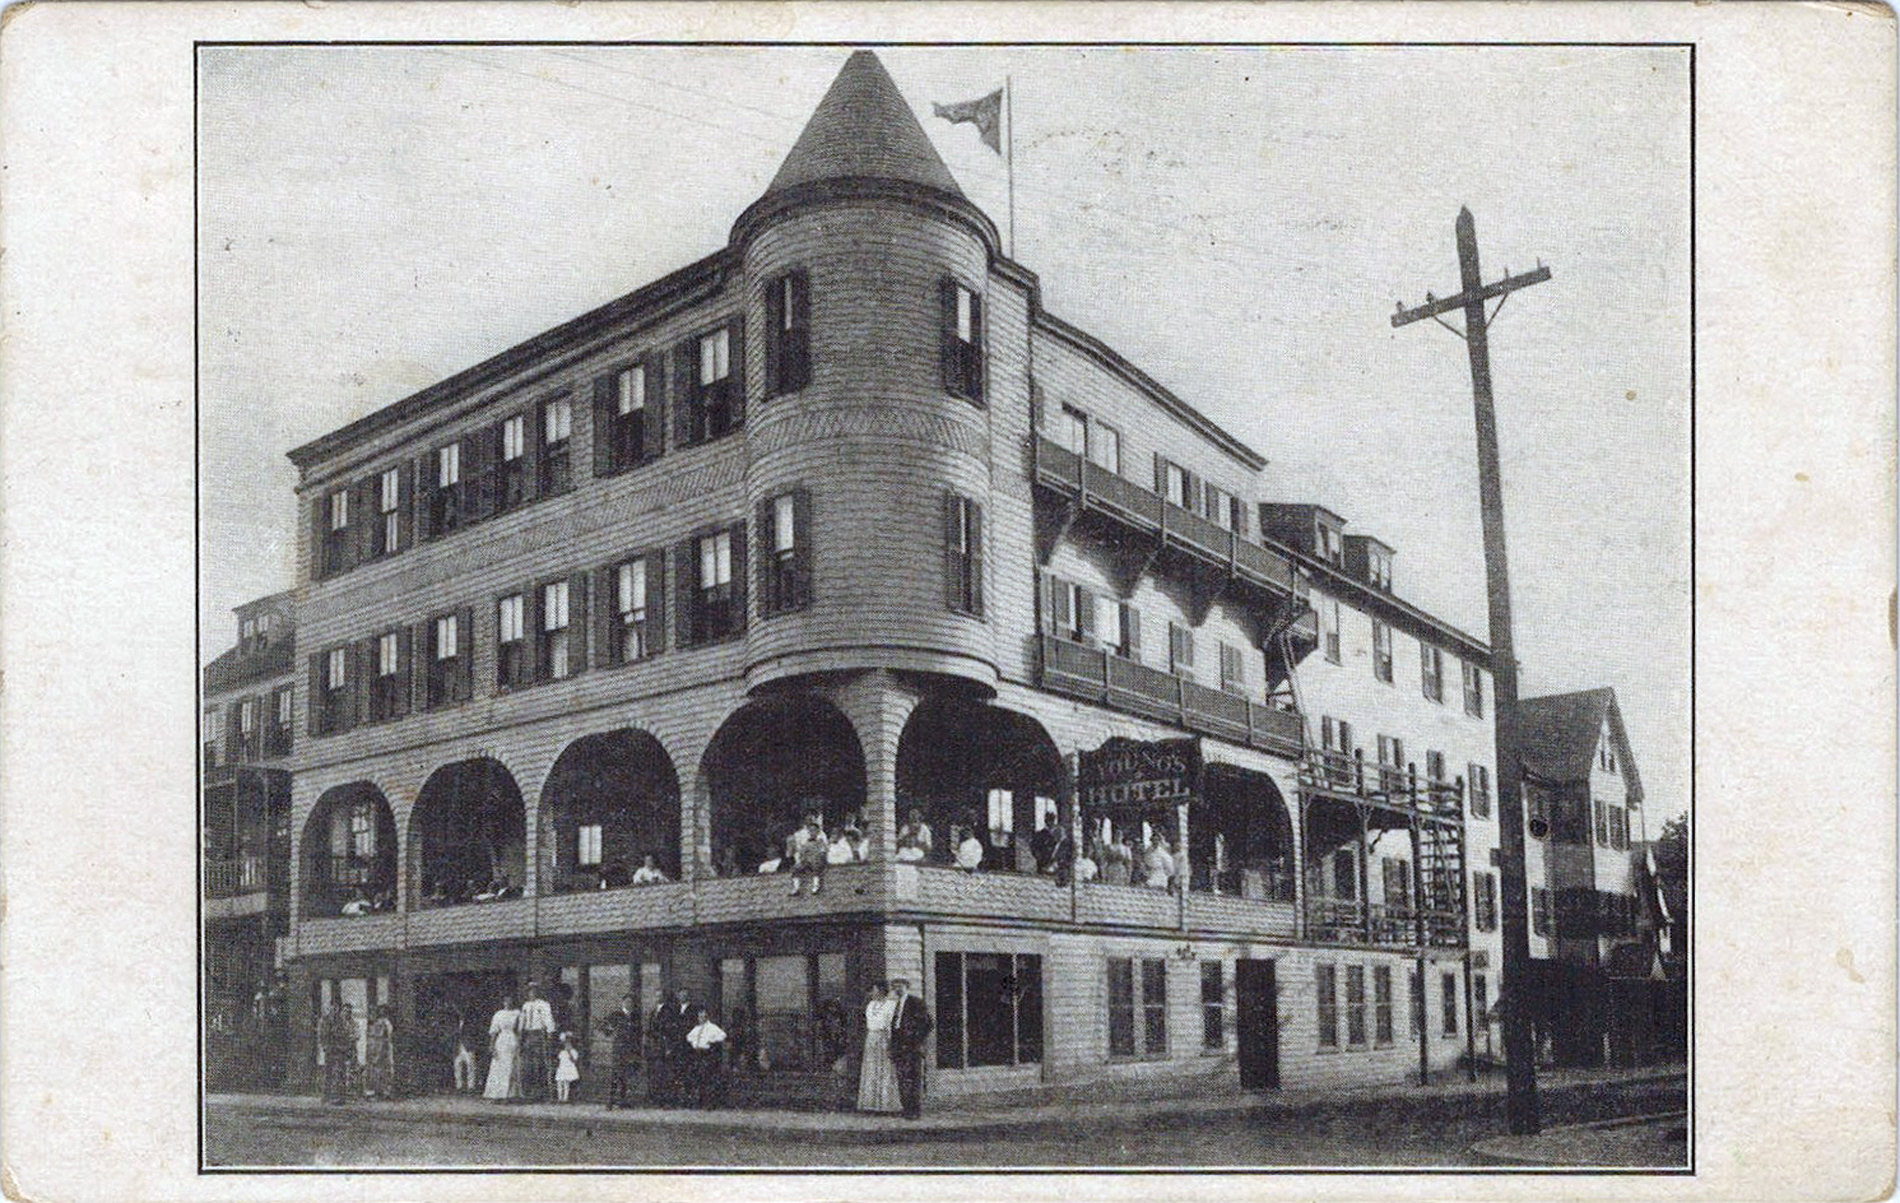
pixel 986 114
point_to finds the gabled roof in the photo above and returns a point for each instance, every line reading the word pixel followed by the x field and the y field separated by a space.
pixel 863 129
pixel 1559 734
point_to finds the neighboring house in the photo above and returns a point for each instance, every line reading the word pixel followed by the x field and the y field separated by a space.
pixel 840 518
pixel 247 738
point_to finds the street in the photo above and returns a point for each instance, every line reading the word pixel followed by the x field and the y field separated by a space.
pixel 1397 1133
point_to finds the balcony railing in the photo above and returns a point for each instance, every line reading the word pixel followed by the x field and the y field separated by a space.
pixel 1350 921
pixel 1100 675
pixel 1330 771
pixel 242 875
pixel 1096 488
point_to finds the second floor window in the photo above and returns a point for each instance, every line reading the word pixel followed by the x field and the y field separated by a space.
pixel 1104 444
pixel 1329 627
pixel 511 470
pixel 1431 672
pixel 1118 626
pixel 1382 651
pixel 333 708
pixel 626 417
pixel 963 554
pixel 1223 508
pixel 389 517
pixel 962 342
pixel 389 687
pixel 786 563
pixel 1391 759
pixel 556 656
pixel 511 648
pixel 637 621
pixel 712 594
pixel 1480 781
pixel 1180 650
pixel 1233 669
pixel 1484 900
pixel 1474 688
pixel 336 532
pixel 710 375
pixel 787 334
pixel 1435 767
pixel 557 430
pixel 447 502
pixel 1072 430
pixel 449 659
pixel 277 737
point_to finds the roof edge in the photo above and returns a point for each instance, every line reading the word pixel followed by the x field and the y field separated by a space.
pixel 1394 605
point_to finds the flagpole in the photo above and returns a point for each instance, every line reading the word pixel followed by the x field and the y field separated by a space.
pixel 1009 121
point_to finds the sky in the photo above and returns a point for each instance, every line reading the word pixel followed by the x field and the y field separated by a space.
pixel 1238 222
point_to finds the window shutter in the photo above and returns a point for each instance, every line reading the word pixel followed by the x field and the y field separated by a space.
pixel 1161 478
pixel 776 338
pixel 978 359
pixel 686 564
pixel 738 576
pixel 405 670
pixel 234 748
pixel 685 381
pixel 532 425
pixel 802 573
pixel 405 507
pixel 605 405
pixel 1045 603
pixel 422 649
pixel 1131 622
pixel 735 381
pixel 976 557
pixel 606 608
pixel 366 515
pixel 656 406
pixel 656 602
pixel 360 655
pixel 465 653
pixel 1085 601
pixel 951 374
pixel 531 631
pixel 480 459
pixel 319 525
pixel 1059 611
pixel 769 601
pixel 800 369
pixel 952 596
pixel 422 470
pixel 577 628
pixel 313 701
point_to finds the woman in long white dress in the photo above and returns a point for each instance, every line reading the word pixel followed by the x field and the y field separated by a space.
pixel 877 1077
pixel 504 1078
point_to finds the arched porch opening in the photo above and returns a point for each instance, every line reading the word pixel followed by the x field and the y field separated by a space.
pixel 964 765
pixel 349 853
pixel 611 800
pixel 769 763
pixel 1240 840
pixel 468 835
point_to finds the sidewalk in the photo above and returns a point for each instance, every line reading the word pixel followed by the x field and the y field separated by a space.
pixel 948 1120
pixel 1649 1141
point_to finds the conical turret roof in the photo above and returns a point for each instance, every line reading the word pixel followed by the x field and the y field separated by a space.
pixel 863 129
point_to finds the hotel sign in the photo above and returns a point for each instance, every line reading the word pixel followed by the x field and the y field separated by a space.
pixel 1129 772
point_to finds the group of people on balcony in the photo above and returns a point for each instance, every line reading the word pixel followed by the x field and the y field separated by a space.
pixel 445 891
pixel 366 903
pixel 1117 861
pixel 605 876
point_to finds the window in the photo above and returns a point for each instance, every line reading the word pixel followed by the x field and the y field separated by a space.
pixel 449 678
pixel 389 691
pixel 1602 823
pixel 1431 671
pixel 1335 736
pixel 557 430
pixel 711 392
pixel 1222 508
pixel 333 705
pixel 1382 1004
pixel 389 506
pixel 1540 911
pixel 1355 1004
pixel 1179 486
pixel 627 427
pixel 1619 829
pixel 1072 431
pixel 1382 651
pixel 962 342
pixel 787 334
pixel 1233 669
pixel 556 656
pixel 1474 688
pixel 1434 767
pixel 1180 650
pixel 353 843
pixel 1416 1023
pixel 963 554
pixel 335 551
pixel 1346 874
pixel 712 572
pixel 1480 1003
pixel 1396 878
pixel 446 503
pixel 1379 569
pixel 1326 995
pixel 511 648
pixel 1391 761
pixel 511 471
pixel 1213 1005
pixel 587 846
pixel 277 738
pixel 1448 1003
pixel 1480 790
pixel 785 521
pixel 1105 446
pixel 1606 757
pixel 1116 625
pixel 1137 1007
pixel 989 1009
pixel 1329 627
pixel 637 609
pixel 1484 900
pixel 1326 544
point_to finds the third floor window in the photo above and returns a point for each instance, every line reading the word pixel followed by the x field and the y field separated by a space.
pixel 557 429
pixel 1382 651
pixel 787 334
pixel 963 554
pixel 1474 688
pixel 627 429
pixel 962 342
pixel 1431 672
pixel 638 609
pixel 712 586
pixel 1329 627
pixel 785 565
pixel 710 375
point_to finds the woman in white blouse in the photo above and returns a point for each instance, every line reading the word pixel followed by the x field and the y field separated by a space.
pixel 504 1083
pixel 707 1040
pixel 877 1076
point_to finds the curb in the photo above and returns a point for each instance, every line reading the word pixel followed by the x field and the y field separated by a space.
pixel 1511 1150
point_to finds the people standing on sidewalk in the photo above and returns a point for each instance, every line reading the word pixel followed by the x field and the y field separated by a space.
pixel 662 1070
pixel 623 1026
pixel 504 1076
pixel 910 1027
pixel 463 1055
pixel 379 1063
pixel 537 1046
pixel 705 1042
pixel 336 1043
pixel 567 1070
pixel 877 1075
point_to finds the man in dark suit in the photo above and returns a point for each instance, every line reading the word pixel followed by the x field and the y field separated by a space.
pixel 624 1027
pixel 662 1066
pixel 681 1015
pixel 910 1027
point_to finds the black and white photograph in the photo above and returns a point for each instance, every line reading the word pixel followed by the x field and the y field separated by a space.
pixel 943 605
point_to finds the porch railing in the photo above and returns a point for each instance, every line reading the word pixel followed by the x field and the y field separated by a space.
pixel 1350 921
pixel 1100 675
pixel 241 875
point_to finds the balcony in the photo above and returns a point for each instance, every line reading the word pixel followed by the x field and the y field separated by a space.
pixel 1097 490
pixel 1349 921
pixel 1336 774
pixel 242 875
pixel 1099 675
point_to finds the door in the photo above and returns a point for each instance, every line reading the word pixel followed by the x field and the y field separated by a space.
pixel 1257 1025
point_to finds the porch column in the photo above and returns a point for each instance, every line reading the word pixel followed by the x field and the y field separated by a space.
pixel 1365 873
pixel 1182 875
pixel 878 707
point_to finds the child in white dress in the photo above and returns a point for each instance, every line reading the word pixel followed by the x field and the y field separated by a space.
pixel 568 1071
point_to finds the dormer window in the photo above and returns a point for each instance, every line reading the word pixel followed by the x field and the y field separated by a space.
pixel 1326 544
pixel 1379 569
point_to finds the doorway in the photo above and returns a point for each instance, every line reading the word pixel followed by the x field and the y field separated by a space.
pixel 1257 1014
pixel 443 1000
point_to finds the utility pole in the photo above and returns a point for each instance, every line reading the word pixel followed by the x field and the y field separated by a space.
pixel 1520 1053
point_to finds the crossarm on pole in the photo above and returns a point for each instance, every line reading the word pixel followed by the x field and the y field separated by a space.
pixel 1432 308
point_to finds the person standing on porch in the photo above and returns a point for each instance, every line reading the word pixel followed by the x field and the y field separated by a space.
pixel 537 1046
pixel 336 1042
pixel 910 1027
pixel 624 1028
pixel 504 1075
pixel 464 1056
pixel 379 1066
pixel 877 1075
